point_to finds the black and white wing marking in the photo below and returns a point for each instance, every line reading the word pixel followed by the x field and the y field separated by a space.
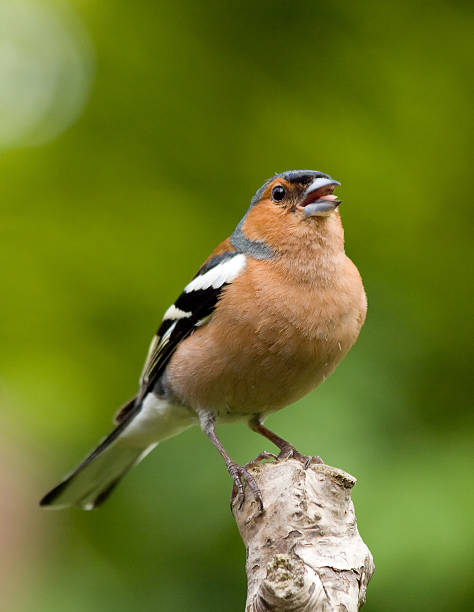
pixel 192 309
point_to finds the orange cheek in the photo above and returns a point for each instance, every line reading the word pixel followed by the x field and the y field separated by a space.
pixel 266 222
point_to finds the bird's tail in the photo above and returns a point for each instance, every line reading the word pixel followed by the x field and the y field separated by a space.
pixel 140 425
pixel 97 476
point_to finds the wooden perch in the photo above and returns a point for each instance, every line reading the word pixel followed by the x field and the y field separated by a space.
pixel 304 552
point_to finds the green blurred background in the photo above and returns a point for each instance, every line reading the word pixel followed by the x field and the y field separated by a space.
pixel 132 136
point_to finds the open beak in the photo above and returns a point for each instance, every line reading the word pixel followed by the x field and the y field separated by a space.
pixel 318 199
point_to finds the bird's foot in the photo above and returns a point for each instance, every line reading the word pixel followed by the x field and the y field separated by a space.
pixel 263 455
pixel 289 452
pixel 240 475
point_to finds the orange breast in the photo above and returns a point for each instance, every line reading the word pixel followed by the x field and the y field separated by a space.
pixel 269 342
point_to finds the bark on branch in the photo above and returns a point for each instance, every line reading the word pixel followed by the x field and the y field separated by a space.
pixel 304 552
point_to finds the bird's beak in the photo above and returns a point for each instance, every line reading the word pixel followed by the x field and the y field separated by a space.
pixel 318 199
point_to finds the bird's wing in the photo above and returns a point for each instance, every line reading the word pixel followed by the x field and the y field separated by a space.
pixel 192 309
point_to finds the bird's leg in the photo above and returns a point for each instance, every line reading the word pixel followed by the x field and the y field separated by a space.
pixel 287 450
pixel 237 472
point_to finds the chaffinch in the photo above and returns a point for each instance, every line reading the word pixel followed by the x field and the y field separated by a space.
pixel 266 319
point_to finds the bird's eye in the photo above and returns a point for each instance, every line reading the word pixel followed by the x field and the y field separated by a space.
pixel 278 193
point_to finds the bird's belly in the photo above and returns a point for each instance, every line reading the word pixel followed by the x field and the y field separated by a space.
pixel 267 365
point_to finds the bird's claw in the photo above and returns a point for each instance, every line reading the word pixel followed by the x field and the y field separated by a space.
pixel 290 452
pixel 237 491
pixel 240 475
pixel 263 455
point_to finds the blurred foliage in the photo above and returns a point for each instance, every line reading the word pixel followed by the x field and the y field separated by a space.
pixel 192 106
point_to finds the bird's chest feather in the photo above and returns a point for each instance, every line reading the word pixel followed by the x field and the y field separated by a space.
pixel 304 329
pixel 270 341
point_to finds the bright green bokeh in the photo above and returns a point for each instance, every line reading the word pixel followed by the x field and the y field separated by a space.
pixel 192 106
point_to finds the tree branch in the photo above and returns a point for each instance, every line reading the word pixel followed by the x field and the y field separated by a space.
pixel 304 552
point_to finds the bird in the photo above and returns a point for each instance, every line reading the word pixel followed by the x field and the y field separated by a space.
pixel 266 319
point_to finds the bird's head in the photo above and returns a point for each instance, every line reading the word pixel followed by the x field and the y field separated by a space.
pixel 297 204
pixel 306 193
